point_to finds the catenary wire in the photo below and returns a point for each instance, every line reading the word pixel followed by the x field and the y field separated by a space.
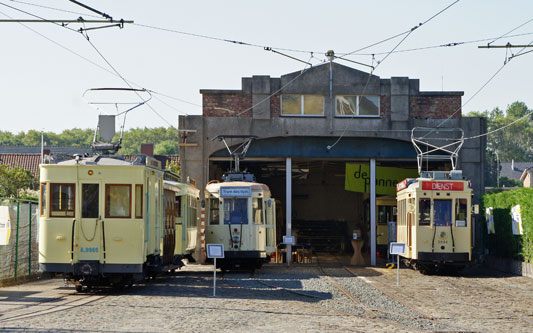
pixel 53 8
pixel 36 16
pixel 505 34
pixel 451 44
pixel 402 33
pixel 96 64
pixel 528 114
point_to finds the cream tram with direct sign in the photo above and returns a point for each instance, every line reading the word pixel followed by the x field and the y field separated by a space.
pixel 105 220
pixel 435 220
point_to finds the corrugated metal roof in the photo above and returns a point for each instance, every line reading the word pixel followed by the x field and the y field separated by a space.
pixel 28 162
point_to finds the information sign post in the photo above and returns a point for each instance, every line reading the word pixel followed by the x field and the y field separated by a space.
pixel 397 249
pixel 215 251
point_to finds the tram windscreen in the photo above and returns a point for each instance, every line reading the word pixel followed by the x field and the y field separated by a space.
pixel 424 210
pixel 236 211
pixel 442 213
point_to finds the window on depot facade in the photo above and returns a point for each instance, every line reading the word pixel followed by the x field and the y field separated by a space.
pixel 357 106
pixel 302 105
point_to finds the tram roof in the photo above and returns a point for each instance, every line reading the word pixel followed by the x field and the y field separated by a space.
pixel 181 188
pixel 215 187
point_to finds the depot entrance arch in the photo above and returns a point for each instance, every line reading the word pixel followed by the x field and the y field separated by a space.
pixel 310 181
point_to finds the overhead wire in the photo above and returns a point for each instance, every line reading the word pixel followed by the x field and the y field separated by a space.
pixel 401 33
pixel 505 34
pixel 53 8
pixel 92 62
pixel 329 147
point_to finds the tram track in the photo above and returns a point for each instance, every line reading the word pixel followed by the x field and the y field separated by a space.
pixel 45 307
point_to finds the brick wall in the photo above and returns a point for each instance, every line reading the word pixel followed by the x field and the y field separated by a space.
pixel 384 106
pixel 421 107
pixel 237 102
pixel 434 107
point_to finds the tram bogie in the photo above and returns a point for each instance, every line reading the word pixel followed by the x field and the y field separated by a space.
pixel 434 221
pixel 104 220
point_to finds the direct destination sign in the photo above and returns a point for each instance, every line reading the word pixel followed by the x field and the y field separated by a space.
pixel 235 191
pixel 443 186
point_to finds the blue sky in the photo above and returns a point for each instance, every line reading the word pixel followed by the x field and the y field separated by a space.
pixel 42 84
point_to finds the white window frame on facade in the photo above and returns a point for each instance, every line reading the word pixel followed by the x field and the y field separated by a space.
pixel 302 106
pixel 357 115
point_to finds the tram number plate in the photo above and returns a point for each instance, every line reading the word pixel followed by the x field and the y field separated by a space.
pixel 397 248
pixel 215 250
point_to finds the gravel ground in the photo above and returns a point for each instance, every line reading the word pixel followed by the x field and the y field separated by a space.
pixel 279 299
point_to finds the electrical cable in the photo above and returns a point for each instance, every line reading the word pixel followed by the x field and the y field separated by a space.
pixel 402 33
pixel 528 114
pixel 36 16
pixel 53 8
pixel 237 42
pixel 451 44
pixel 505 34
pixel 94 63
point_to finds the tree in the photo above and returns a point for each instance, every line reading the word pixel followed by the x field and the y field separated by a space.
pixel 14 181
pixel 512 143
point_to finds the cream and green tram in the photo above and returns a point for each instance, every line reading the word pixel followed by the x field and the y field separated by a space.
pixel 434 221
pixel 181 216
pixel 241 216
pixel 101 219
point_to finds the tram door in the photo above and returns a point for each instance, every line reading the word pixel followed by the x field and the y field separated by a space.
pixel 270 226
pixel 89 229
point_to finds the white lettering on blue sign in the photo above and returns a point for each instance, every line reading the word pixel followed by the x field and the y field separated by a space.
pixel 235 191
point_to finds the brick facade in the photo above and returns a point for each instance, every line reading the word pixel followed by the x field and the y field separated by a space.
pixel 434 107
pixel 222 105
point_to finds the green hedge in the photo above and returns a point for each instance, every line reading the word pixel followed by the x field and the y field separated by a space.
pixel 503 242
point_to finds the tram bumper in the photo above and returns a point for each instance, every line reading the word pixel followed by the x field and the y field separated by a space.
pixel 444 257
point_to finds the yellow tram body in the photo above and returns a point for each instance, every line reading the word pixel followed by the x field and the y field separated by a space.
pixel 434 220
pixel 241 215
pixel 181 210
pixel 102 220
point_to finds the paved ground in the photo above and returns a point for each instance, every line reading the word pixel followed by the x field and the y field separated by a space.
pixel 280 299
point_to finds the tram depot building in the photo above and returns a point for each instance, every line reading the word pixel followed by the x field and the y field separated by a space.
pixel 321 183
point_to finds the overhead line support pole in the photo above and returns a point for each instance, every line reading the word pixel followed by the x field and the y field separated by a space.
pixel 64 21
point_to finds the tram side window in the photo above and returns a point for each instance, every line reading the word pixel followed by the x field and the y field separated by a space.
pixel 424 211
pixel 43 199
pixel 214 210
pixel 138 201
pixel 62 200
pixel 442 213
pixel 257 210
pixel 118 201
pixel 460 212
pixel 236 211
pixel 178 206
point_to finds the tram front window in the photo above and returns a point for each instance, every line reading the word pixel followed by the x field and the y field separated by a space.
pixel 442 213
pixel 236 211
pixel 89 200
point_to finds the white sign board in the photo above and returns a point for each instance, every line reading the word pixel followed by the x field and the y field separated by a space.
pixel 397 248
pixel 235 191
pixel 288 240
pixel 5 225
pixel 215 250
pixel 517 220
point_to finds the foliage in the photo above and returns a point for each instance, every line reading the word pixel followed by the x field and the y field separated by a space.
pixel 174 166
pixel 14 181
pixel 513 143
pixel 164 139
pixel 504 238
